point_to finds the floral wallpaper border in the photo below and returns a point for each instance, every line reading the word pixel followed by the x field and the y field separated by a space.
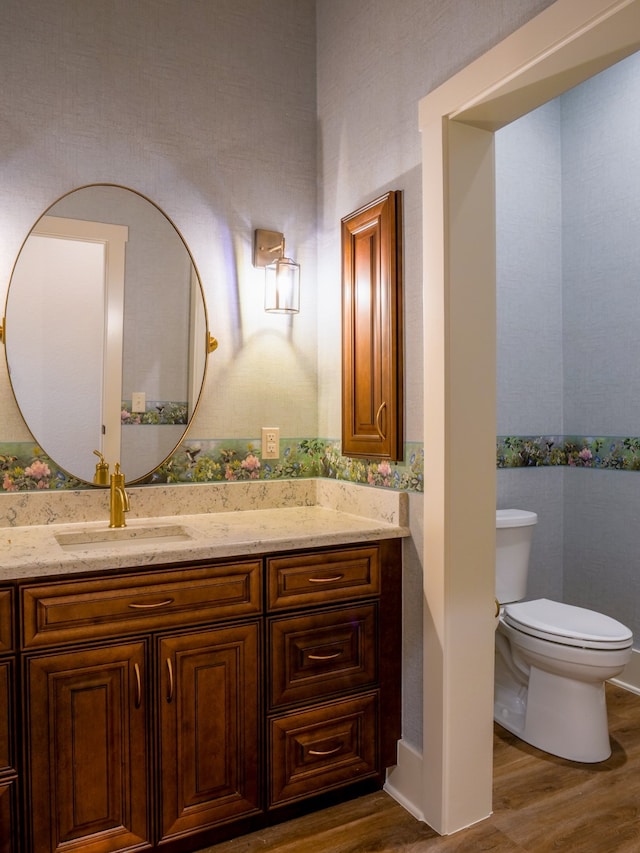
pixel 25 467
pixel 157 412
pixel 617 453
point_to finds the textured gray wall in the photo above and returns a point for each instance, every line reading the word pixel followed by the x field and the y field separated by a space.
pixel 575 370
pixel 601 223
pixel 376 60
pixel 601 272
pixel 530 383
pixel 208 107
pixel 529 274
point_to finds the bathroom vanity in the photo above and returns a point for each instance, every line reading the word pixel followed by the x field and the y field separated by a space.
pixel 167 690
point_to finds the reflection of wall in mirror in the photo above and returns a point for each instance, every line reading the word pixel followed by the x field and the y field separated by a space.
pixel 157 288
pixel 57 281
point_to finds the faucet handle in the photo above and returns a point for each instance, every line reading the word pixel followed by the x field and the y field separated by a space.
pixel 101 477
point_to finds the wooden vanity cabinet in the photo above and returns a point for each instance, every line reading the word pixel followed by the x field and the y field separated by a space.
pixel 172 708
pixel 154 737
pixel 333 717
pixel 9 831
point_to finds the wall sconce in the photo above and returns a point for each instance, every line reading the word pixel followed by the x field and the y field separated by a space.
pixel 282 275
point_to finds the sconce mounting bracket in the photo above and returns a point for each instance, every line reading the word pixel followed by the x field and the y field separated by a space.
pixel 268 246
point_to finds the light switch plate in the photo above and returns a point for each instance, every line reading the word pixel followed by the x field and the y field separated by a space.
pixel 138 401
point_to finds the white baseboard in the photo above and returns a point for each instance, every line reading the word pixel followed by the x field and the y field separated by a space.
pixel 629 678
pixel 404 781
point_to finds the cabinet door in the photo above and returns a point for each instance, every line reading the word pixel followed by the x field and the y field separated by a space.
pixel 8 782
pixel 87 751
pixel 7 726
pixel 208 712
pixel 372 358
pixel 8 828
pixel 6 622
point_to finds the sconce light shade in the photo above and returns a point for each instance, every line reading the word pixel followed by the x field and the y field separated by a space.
pixel 282 287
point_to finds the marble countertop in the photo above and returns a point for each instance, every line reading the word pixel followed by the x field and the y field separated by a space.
pixel 337 516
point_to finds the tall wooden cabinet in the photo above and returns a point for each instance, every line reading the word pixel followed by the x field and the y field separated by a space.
pixel 372 330
pixel 171 708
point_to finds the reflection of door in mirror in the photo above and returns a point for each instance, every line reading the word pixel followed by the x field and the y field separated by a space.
pixel 76 269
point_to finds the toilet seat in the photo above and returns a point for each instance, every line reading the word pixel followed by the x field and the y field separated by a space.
pixel 567 624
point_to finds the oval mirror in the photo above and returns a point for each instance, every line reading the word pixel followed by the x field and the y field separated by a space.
pixel 106 332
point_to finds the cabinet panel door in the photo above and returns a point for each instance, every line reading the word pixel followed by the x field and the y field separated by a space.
pixel 87 749
pixel 372 357
pixel 6 717
pixel 209 744
pixel 8 828
pixel 6 622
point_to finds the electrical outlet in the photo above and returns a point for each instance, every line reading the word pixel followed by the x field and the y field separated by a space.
pixel 270 442
pixel 138 401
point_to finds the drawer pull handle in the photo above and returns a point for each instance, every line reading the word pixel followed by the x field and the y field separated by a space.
pixel 326 657
pixel 326 751
pixel 326 580
pixel 151 606
pixel 383 406
pixel 170 675
pixel 136 669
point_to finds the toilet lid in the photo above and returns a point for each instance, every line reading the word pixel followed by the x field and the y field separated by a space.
pixel 567 624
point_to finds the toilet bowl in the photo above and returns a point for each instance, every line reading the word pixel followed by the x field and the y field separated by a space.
pixel 552 659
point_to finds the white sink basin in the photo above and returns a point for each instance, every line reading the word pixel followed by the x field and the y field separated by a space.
pixel 122 537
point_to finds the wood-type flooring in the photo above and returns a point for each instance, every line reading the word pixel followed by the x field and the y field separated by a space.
pixel 541 804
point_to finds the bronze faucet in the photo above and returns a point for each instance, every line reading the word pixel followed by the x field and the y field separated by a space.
pixel 119 499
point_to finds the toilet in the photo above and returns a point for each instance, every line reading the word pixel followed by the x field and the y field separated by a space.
pixel 552 659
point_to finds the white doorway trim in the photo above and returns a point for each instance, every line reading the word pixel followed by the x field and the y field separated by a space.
pixel 108 378
pixel 566 44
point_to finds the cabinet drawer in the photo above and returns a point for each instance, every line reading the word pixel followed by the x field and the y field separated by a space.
pixel 6 620
pixel 69 611
pixel 323 748
pixel 323 577
pixel 319 654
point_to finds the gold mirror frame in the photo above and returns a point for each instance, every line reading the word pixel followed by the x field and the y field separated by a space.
pixel 14 327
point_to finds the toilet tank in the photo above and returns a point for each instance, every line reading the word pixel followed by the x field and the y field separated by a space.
pixel 514 531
